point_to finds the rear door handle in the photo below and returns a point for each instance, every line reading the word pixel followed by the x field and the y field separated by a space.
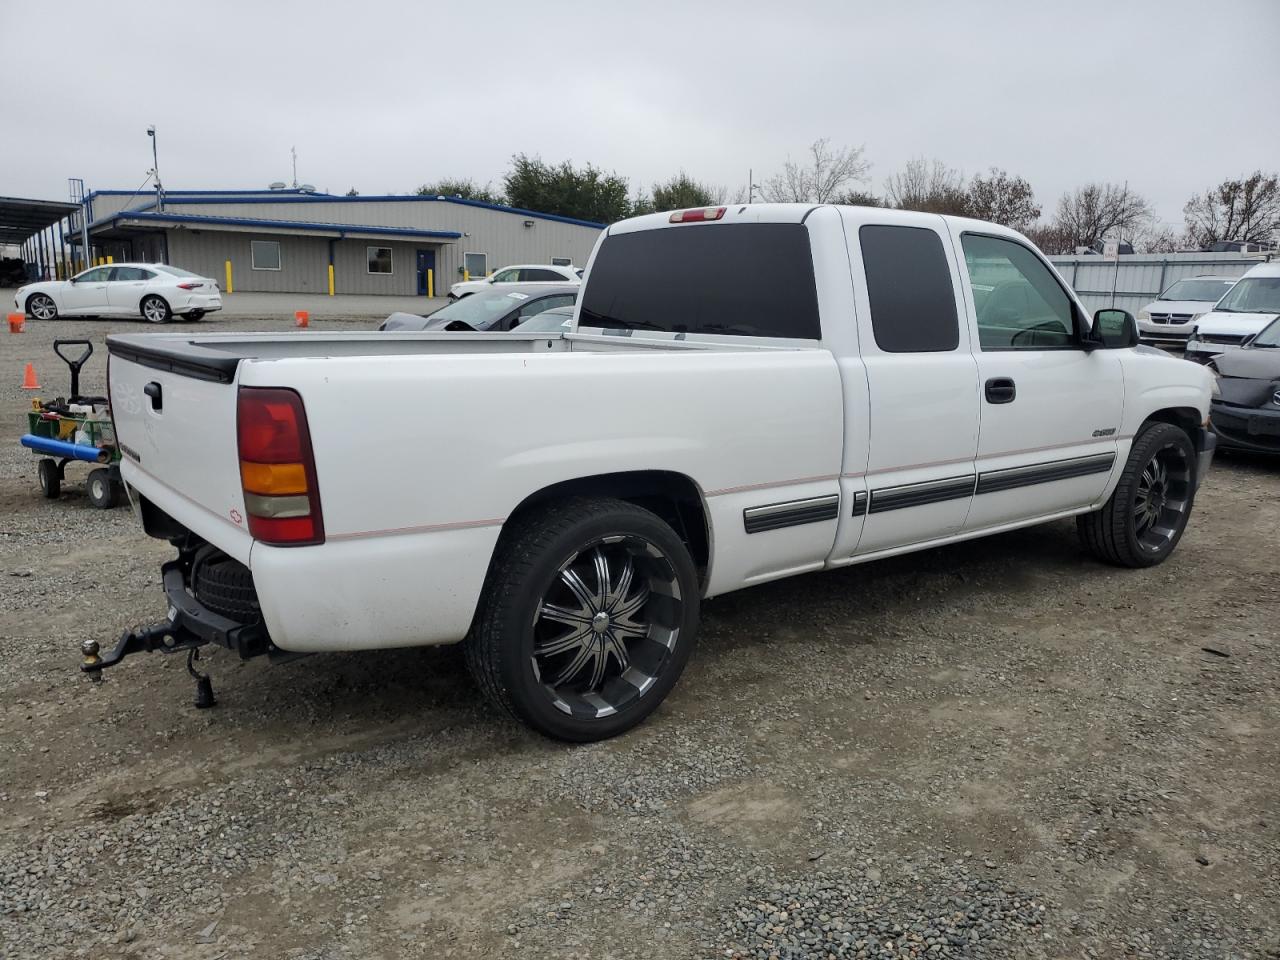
pixel 153 391
pixel 1001 390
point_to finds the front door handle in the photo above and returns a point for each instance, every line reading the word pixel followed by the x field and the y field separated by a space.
pixel 1001 390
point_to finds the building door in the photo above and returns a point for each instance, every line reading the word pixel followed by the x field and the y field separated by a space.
pixel 426 273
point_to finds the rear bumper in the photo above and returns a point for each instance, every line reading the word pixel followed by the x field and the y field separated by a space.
pixel 1243 428
pixel 189 624
pixel 205 302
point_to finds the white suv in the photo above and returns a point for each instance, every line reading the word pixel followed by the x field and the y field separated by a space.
pixel 1174 313
pixel 1250 305
pixel 519 273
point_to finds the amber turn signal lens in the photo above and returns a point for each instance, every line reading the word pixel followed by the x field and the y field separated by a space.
pixel 273 478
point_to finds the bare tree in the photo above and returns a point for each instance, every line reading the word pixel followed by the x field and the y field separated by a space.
pixel 1003 199
pixel 929 186
pixel 1100 210
pixel 858 198
pixel 821 179
pixel 1049 238
pixel 1156 237
pixel 1247 209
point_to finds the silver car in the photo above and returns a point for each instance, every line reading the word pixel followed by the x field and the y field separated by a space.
pixel 490 310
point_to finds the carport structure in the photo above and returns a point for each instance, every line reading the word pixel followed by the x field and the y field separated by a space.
pixel 29 224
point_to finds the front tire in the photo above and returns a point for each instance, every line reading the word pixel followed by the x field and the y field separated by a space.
pixel 156 309
pixel 589 615
pixel 42 307
pixel 1142 522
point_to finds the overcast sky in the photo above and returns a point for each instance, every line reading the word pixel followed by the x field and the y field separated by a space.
pixel 1172 96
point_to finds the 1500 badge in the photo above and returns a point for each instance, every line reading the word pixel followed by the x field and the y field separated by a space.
pixel 1104 433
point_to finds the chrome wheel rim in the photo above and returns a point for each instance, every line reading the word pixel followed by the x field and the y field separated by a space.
pixel 606 626
pixel 1162 498
pixel 42 308
pixel 153 310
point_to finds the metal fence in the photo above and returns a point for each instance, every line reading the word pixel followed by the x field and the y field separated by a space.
pixel 1138 278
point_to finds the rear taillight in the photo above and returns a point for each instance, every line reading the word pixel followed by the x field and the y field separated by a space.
pixel 700 215
pixel 277 467
pixel 190 285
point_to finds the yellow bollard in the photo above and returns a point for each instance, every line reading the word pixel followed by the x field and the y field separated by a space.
pixel 431 282
pixel 228 276
pixel 331 279
pixel 110 259
pixel 466 274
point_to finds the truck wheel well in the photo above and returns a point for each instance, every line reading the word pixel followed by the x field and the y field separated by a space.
pixel 672 496
pixel 1188 419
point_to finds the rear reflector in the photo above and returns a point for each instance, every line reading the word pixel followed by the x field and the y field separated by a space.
pixel 700 215
pixel 277 467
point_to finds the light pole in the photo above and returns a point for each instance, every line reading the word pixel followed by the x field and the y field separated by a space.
pixel 155 168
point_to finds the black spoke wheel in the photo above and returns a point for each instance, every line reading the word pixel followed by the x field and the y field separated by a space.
pixel 50 478
pixel 587 620
pixel 1142 522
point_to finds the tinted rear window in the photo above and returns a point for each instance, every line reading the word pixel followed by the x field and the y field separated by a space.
pixel 749 279
pixel 913 304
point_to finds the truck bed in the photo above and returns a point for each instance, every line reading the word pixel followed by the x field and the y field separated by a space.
pixel 215 356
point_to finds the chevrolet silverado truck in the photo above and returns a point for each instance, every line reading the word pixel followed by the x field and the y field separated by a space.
pixel 746 393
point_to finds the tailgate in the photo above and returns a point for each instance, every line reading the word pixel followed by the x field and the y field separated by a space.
pixel 176 427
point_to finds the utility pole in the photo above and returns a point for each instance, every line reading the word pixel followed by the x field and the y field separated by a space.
pixel 751 189
pixel 155 168
pixel 294 152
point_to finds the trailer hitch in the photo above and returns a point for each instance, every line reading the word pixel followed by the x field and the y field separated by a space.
pixel 162 637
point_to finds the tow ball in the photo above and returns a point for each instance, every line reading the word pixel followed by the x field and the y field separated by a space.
pixel 159 637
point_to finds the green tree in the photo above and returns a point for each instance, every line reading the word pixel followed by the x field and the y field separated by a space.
pixel 682 191
pixel 466 188
pixel 584 193
pixel 858 198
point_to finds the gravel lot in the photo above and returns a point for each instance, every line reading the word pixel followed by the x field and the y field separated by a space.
pixel 998 749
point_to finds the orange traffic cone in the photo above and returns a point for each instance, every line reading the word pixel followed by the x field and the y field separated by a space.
pixel 29 381
pixel 15 322
pixel 302 318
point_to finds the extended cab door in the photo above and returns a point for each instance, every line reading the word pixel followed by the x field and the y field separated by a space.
pixel 1050 409
pixel 922 416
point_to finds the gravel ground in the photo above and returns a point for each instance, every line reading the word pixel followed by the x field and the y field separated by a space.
pixel 999 749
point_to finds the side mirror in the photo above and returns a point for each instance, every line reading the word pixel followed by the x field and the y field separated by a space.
pixel 1113 329
pixel 72 279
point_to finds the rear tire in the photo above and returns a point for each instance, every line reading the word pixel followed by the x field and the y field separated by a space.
pixel 588 617
pixel 102 492
pixel 1142 522
pixel 155 309
pixel 42 307
pixel 50 478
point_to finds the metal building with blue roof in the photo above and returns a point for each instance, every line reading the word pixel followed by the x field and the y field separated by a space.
pixel 287 240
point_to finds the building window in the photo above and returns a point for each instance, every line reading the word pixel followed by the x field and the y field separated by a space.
pixel 476 264
pixel 264 254
pixel 379 259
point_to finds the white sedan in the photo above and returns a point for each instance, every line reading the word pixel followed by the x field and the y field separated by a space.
pixel 521 273
pixel 153 291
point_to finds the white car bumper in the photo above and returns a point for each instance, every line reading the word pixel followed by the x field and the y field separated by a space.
pixel 1202 352
pixel 206 302
pixel 1149 330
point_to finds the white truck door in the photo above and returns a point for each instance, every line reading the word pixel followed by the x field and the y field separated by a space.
pixel 922 415
pixel 1050 410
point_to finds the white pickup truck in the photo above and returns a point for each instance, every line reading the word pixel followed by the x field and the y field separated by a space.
pixel 746 393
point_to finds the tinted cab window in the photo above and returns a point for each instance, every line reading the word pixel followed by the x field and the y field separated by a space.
pixel 913 302
pixel 746 279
